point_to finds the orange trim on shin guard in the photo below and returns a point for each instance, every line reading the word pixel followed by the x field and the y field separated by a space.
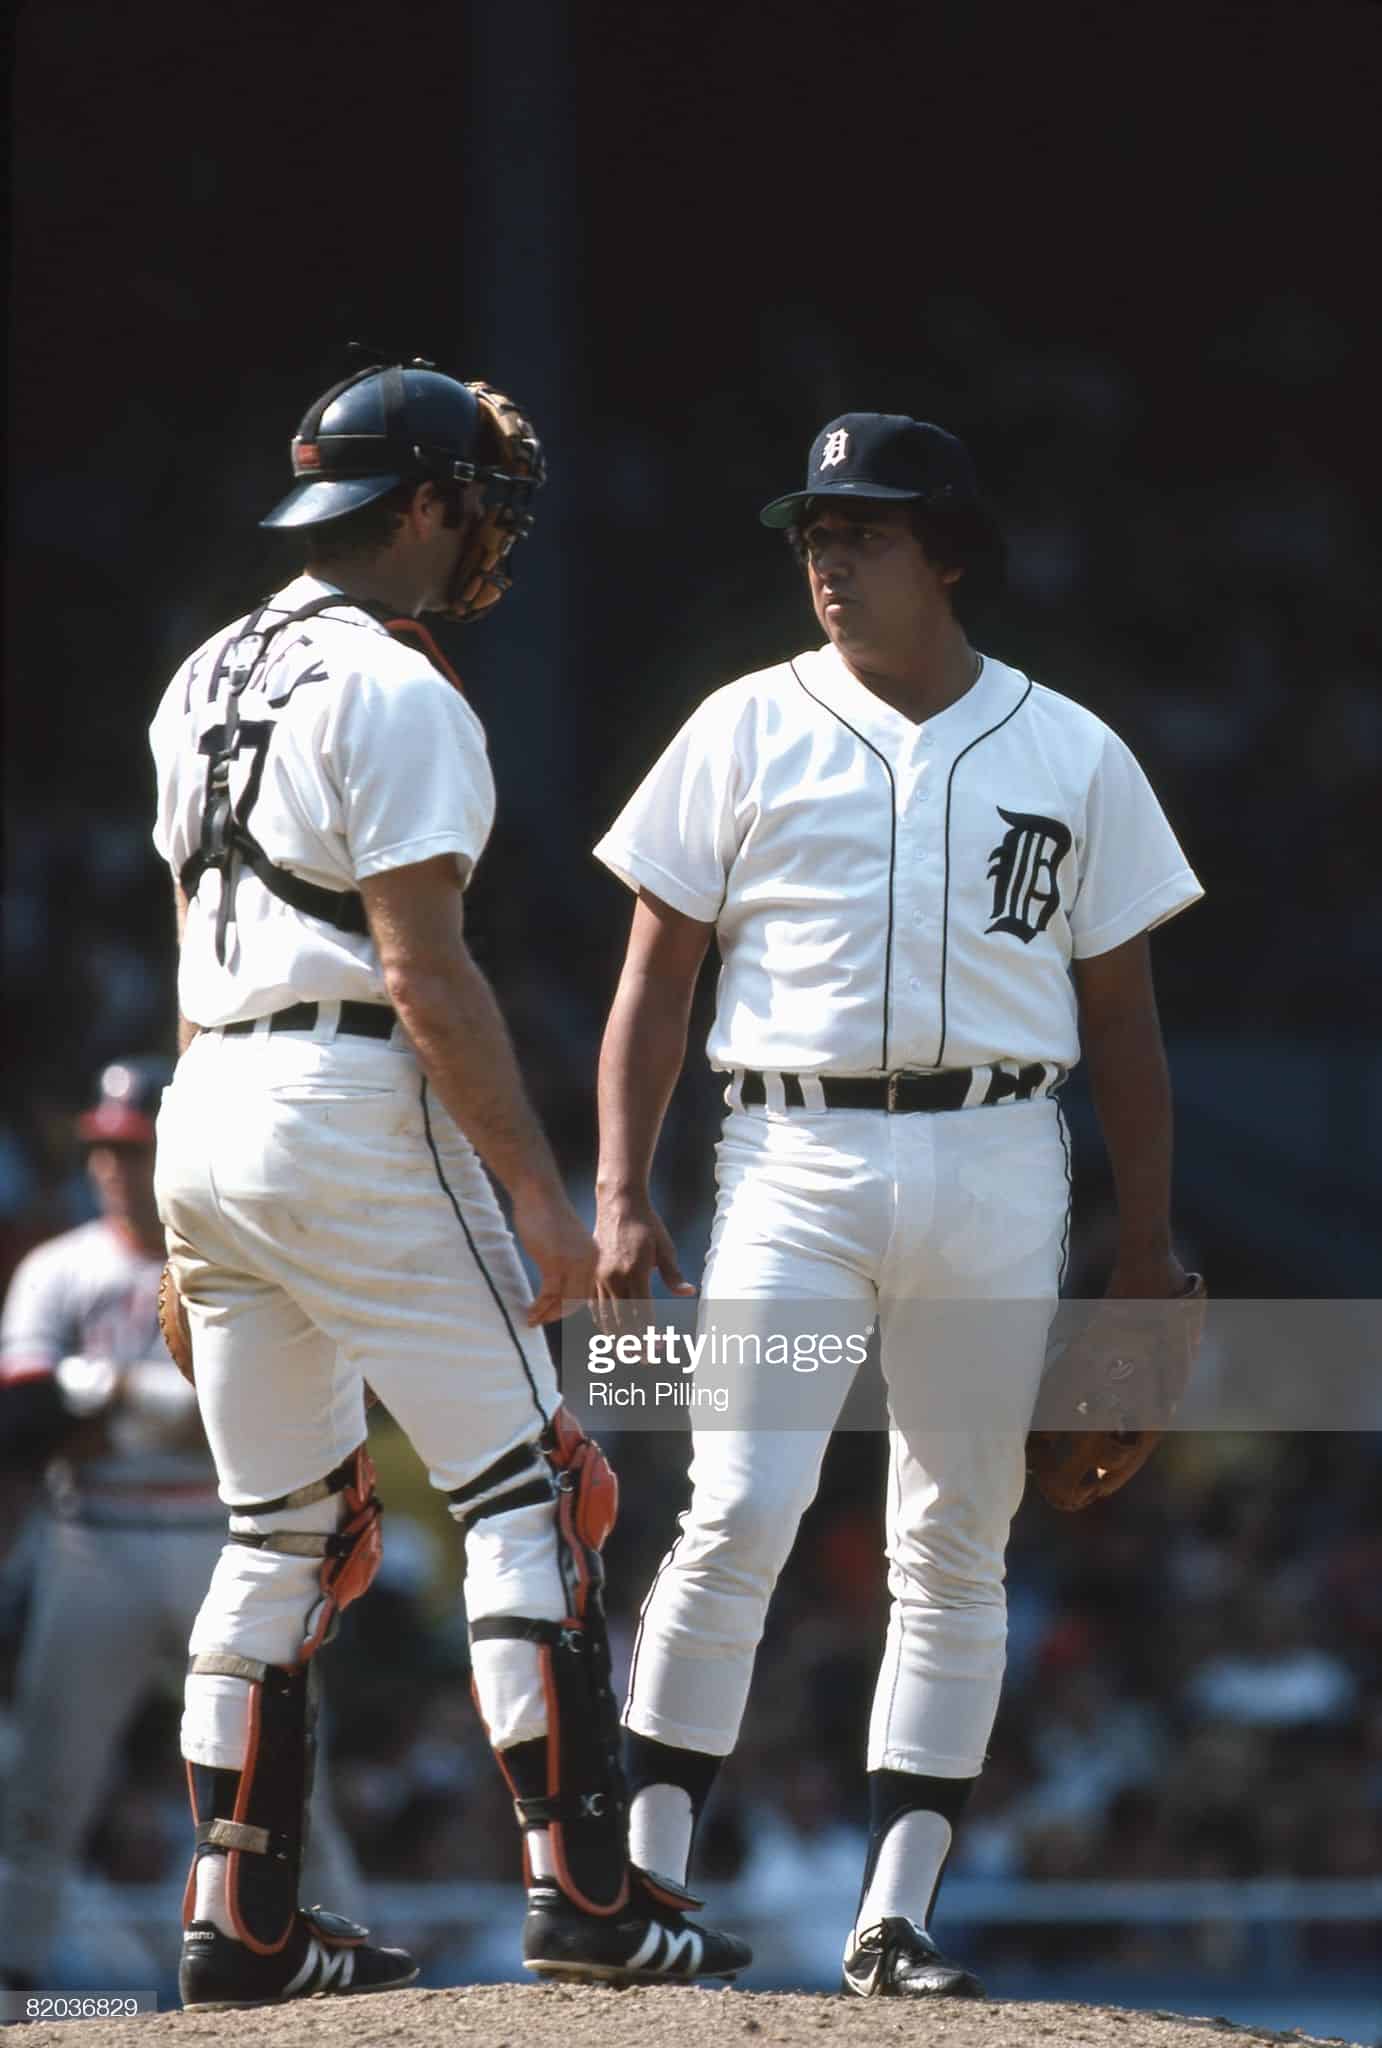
pixel 189 1890
pixel 242 1799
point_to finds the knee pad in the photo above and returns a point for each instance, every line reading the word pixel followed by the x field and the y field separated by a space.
pixel 587 1506
pixel 571 1784
pixel 349 1558
pixel 257 1816
pixel 563 1465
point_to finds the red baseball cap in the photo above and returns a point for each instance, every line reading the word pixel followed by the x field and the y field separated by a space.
pixel 127 1102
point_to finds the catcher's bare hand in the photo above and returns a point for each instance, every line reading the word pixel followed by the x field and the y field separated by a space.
pixel 632 1243
pixel 561 1248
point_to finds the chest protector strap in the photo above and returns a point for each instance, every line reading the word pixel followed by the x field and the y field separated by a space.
pixel 226 842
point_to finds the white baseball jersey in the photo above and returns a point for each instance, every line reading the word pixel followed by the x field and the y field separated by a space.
pixel 92 1294
pixel 355 755
pixel 888 895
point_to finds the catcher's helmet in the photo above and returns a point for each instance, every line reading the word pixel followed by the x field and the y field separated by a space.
pixel 383 426
pixel 126 1102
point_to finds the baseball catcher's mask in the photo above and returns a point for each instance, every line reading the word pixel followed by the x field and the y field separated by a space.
pixel 407 423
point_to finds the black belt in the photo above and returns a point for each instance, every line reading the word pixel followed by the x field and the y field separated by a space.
pixel 358 1020
pixel 902 1094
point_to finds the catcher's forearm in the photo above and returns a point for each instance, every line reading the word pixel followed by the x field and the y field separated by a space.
pixel 641 1057
pixel 464 1048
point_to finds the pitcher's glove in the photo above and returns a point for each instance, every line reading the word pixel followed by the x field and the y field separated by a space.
pixel 1108 1399
pixel 172 1320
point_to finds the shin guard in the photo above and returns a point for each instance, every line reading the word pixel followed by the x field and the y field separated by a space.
pixel 256 1816
pixel 571 1782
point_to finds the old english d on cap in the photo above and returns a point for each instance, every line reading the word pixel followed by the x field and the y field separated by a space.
pixel 880 455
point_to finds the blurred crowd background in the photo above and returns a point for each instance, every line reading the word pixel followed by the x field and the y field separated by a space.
pixel 1127 266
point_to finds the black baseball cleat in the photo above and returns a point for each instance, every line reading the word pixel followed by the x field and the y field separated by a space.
pixel 650 1942
pixel 326 1956
pixel 898 1959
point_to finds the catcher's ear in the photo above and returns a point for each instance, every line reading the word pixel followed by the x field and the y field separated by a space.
pixel 426 509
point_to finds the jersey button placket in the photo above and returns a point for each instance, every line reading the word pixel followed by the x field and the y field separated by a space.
pixel 916 776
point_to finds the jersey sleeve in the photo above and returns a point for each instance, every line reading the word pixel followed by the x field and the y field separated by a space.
pixel 1134 874
pixel 37 1328
pixel 677 835
pixel 164 735
pixel 414 774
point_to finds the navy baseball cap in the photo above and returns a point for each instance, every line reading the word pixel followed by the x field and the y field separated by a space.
pixel 881 455
pixel 126 1103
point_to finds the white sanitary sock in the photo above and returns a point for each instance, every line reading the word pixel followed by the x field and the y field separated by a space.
pixel 209 1902
pixel 909 1863
pixel 661 1824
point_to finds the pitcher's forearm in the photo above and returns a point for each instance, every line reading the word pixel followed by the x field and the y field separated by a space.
pixel 1132 1096
pixel 640 1060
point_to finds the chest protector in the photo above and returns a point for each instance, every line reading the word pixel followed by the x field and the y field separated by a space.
pixel 226 842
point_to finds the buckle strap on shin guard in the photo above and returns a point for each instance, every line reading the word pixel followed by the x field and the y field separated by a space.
pixel 222 1664
pixel 233 1834
pixel 540 1813
pixel 519 1478
pixel 336 1481
pixel 292 1542
pixel 535 1495
pixel 522 1628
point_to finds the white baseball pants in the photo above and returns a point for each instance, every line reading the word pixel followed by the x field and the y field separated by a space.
pixel 329 1225
pixel 914 1217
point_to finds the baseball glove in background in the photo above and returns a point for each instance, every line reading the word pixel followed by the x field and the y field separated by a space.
pixel 1108 1399
pixel 172 1320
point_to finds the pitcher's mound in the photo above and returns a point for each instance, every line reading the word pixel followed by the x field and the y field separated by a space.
pixel 571 2016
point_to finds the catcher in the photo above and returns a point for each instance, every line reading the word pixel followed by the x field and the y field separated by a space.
pixel 324 793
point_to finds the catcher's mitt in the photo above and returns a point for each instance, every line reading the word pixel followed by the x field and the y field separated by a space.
pixel 512 477
pixel 177 1331
pixel 172 1320
pixel 1108 1399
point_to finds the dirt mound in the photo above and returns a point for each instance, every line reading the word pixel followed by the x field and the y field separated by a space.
pixel 562 2016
